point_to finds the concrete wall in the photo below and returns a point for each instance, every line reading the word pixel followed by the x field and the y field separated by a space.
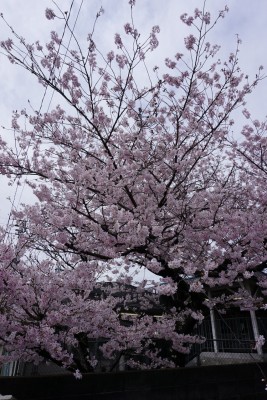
pixel 234 382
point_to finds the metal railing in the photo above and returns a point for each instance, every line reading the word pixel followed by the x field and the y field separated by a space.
pixel 234 342
pixel 223 351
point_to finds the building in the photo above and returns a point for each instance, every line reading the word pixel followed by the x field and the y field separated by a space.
pixel 230 337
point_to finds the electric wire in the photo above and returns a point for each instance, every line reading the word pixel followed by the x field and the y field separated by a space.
pixel 40 107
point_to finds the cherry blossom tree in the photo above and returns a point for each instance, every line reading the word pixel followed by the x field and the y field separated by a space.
pixel 136 169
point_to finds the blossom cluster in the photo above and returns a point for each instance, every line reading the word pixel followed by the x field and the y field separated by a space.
pixel 130 179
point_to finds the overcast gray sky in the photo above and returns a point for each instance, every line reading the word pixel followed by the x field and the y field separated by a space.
pixel 246 18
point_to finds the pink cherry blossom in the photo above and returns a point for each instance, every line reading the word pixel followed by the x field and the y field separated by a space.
pixel 49 13
pixel 189 42
pixel 130 178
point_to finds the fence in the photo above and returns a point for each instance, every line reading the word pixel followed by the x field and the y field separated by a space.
pixel 233 343
pixel 223 351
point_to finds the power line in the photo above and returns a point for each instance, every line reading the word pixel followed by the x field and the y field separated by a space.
pixel 54 62
pixel 41 104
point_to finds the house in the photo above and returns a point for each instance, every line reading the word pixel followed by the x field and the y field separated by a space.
pixel 231 337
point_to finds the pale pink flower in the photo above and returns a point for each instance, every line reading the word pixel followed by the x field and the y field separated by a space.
pixel 77 374
pixel 156 29
pixel 246 113
pixel 178 56
pixel 170 64
pixel 49 13
pixel 153 41
pixel 118 41
pixel 197 13
pixel 189 42
pixel 259 342
pixel 128 29
pixel 110 56
pixel 7 44
pixel 121 60
pixel 187 20
pixel 206 18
